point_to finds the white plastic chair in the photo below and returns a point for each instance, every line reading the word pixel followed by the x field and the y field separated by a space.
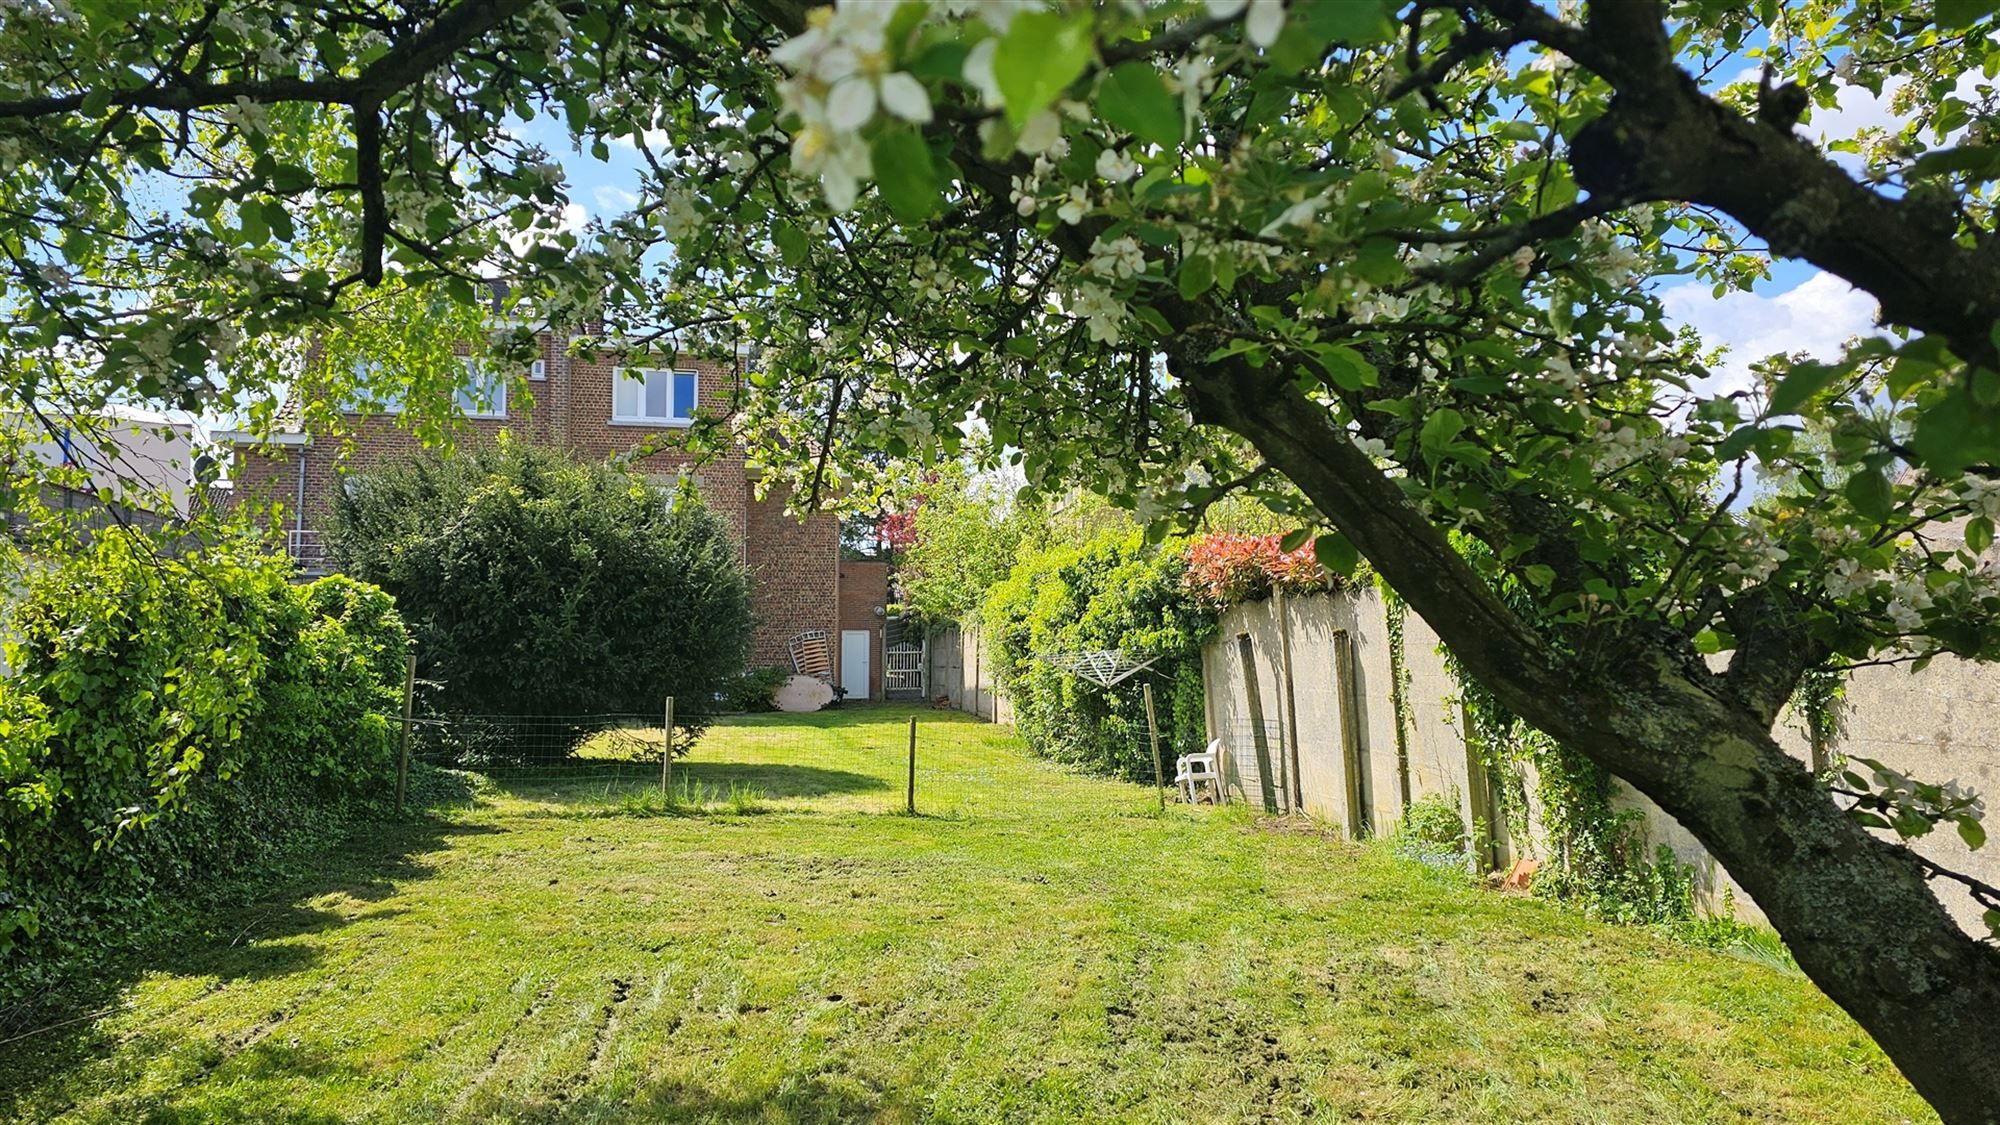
pixel 1191 771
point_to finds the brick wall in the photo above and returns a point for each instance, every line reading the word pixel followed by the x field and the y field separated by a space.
pixel 864 588
pixel 793 565
pixel 794 584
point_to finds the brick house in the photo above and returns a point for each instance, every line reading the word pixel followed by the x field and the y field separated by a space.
pixel 592 407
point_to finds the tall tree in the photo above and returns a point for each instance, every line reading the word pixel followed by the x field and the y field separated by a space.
pixel 1393 258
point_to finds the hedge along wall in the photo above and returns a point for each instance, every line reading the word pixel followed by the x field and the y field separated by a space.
pixel 170 718
pixel 1112 592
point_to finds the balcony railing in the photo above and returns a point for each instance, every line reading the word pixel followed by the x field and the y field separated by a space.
pixel 307 551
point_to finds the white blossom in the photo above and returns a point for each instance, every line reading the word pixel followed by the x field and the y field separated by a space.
pixel 1297 215
pixel 1114 165
pixel 1552 61
pixel 1074 206
pixel 1848 577
pixel 1191 73
pixel 1040 133
pixel 1105 312
pixel 1982 493
pixel 1265 21
pixel 1561 372
pixel 1118 258
pixel 978 70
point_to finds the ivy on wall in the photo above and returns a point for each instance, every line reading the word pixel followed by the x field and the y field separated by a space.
pixel 1397 613
pixel 1597 858
pixel 1819 704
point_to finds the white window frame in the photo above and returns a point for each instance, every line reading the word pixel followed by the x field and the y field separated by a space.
pixel 364 368
pixel 473 377
pixel 674 405
pixel 539 371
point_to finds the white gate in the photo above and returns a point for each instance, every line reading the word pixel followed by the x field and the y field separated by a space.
pixel 903 669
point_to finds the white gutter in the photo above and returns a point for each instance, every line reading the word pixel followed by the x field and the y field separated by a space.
pixel 251 437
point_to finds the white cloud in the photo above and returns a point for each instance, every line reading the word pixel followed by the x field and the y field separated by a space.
pixel 612 199
pixel 1817 317
pixel 656 140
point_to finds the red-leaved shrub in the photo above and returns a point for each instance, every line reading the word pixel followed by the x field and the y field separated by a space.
pixel 1224 570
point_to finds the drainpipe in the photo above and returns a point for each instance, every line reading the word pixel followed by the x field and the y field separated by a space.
pixel 299 513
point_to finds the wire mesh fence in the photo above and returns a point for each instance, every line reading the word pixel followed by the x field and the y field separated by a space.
pixel 865 758
pixel 550 757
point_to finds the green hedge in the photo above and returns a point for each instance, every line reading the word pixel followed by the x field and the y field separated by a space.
pixel 1112 592
pixel 169 718
pixel 537 584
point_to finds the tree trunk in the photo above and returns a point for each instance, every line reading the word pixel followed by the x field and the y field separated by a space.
pixel 1855 910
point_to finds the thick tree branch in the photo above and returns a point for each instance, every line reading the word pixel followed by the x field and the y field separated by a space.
pixel 404 64
pixel 1664 139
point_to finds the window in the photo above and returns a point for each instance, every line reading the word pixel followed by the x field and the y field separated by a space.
pixel 368 395
pixel 538 370
pixel 483 394
pixel 653 396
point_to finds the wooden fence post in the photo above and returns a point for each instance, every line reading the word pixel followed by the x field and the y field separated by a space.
pixel 667 752
pixel 1153 729
pixel 409 709
pixel 910 799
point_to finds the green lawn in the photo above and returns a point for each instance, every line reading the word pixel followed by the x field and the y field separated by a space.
pixel 1037 947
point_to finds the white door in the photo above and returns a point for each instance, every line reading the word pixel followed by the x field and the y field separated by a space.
pixel 854 662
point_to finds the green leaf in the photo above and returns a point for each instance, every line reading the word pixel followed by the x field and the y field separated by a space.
pixel 1871 494
pixel 1440 429
pixel 1336 554
pixel 1294 539
pixel 1978 535
pixel 1238 346
pixel 1972 832
pixel 1356 23
pixel 905 175
pixel 793 245
pixel 1541 576
pixel 1801 383
pixel 1708 642
pixel 1981 160
pixel 1379 261
pixel 1737 443
pixel 1349 369
pixel 1955 14
pixel 1197 273
pixel 1156 319
pixel 1955 432
pixel 1134 98
pixel 1041 54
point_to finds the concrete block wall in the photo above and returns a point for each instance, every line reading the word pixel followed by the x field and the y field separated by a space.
pixel 1278 703
pixel 961 673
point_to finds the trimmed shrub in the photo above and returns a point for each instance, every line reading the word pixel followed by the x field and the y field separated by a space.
pixel 752 691
pixel 536 584
pixel 170 718
pixel 1112 592
pixel 1224 570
